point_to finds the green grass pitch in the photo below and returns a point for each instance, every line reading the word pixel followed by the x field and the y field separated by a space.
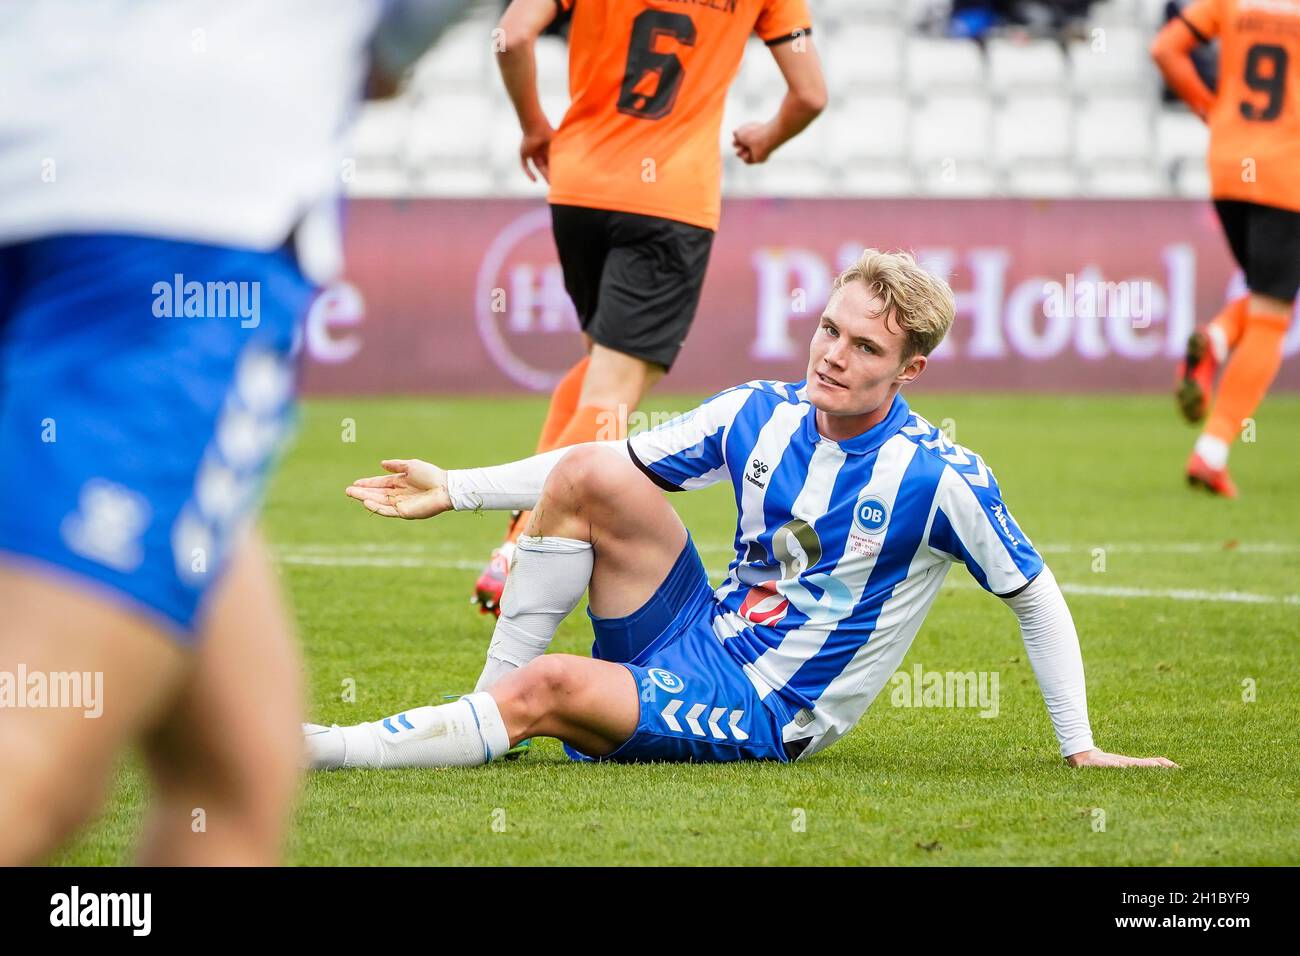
pixel 1189 603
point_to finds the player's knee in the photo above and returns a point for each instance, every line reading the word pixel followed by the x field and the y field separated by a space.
pixel 587 476
pixel 548 682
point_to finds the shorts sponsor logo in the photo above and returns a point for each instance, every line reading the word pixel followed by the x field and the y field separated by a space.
pixel 871 515
pixel 666 680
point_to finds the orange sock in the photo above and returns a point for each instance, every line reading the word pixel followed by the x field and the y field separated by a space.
pixel 1250 371
pixel 1226 328
pixel 588 423
pixel 564 402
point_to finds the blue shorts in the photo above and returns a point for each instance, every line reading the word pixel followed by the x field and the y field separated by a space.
pixel 145 387
pixel 696 702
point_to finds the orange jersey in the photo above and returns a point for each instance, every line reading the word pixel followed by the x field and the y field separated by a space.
pixel 648 80
pixel 1255 121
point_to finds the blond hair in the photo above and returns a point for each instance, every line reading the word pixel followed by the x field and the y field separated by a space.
pixel 919 302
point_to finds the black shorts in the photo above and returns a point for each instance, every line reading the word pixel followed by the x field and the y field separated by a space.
pixel 635 280
pixel 1265 241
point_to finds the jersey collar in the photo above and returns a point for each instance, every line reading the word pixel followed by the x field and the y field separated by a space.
pixel 869 440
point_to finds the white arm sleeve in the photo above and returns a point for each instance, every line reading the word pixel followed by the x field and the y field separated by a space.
pixel 515 486
pixel 1053 649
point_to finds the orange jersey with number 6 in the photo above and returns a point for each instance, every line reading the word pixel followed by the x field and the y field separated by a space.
pixel 648 81
pixel 1255 121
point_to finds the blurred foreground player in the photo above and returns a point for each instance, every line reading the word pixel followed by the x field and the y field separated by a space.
pixel 1254 162
pixel 635 182
pixel 168 174
pixel 850 510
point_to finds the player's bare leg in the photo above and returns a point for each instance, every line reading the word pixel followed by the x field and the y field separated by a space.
pixel 226 759
pixel 57 761
pixel 589 704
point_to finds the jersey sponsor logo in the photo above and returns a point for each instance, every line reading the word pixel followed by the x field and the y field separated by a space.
pixel 756 472
pixel 871 515
pixel 666 680
pixel 764 605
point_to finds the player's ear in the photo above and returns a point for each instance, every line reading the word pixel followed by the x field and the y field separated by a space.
pixel 913 367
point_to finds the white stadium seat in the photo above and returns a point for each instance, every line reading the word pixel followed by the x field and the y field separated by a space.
pixel 1192 179
pixel 1032 128
pixel 1034 181
pixel 1109 129
pixel 810 146
pixel 511 181
pixel 935 65
pixel 446 180
pixel 370 181
pixel 460 60
pixel 381 131
pixel 741 180
pixel 1114 59
pixel 1151 14
pixel 1180 135
pixel 862 179
pixel 868 127
pixel 959 179
pixel 454 127
pixel 552 67
pixel 758 72
pixel 795 179
pixel 854 10
pixel 554 105
pixel 952 127
pixel 864 58
pixel 736 112
pixel 1116 11
pixel 1125 182
pixel 1035 65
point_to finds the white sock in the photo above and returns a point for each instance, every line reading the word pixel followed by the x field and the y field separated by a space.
pixel 466 733
pixel 1213 451
pixel 548 577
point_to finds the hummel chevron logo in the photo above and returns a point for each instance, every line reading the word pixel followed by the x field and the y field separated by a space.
pixel 692 718
pixel 956 455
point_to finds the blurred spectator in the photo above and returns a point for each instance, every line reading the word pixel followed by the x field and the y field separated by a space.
pixel 1049 18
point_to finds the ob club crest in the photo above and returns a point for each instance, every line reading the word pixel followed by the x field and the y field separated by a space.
pixel 871 515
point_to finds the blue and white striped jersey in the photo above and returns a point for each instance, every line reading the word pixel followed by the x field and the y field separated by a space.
pixel 840 546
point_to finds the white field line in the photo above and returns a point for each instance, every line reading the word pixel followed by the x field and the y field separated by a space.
pixel 299 557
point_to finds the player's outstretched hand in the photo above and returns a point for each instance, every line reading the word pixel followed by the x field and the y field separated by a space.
pixel 1099 758
pixel 414 489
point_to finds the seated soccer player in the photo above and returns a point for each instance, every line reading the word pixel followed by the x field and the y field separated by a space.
pixel 850 509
